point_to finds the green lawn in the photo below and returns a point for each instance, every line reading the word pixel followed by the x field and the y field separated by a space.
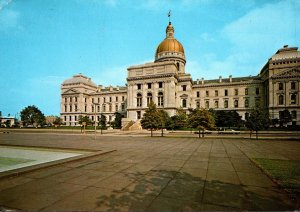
pixel 5 161
pixel 286 172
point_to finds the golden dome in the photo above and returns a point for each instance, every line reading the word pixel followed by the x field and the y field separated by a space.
pixel 169 47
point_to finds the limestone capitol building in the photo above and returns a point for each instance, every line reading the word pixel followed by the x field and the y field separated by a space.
pixel 166 83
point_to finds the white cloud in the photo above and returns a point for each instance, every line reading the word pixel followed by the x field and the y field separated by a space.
pixel 4 3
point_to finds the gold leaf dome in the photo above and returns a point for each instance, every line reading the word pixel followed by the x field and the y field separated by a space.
pixel 169 47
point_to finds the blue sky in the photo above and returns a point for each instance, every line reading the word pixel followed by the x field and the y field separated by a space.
pixel 44 42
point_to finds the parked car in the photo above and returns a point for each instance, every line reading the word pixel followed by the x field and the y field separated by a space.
pixel 229 131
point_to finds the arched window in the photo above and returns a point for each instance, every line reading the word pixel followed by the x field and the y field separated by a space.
pixel 160 99
pixel 184 103
pixel 110 108
pixel 293 99
pixel 103 108
pixel 216 104
pixel 280 100
pixel 139 100
pixel 236 103
pixel 225 103
pixel 149 98
pixel 206 104
pixel 293 85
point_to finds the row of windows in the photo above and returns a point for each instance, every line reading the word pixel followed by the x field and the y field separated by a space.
pixel 285 62
pixel 98 108
pixel 69 118
pixel 293 99
pixel 225 103
pixel 71 99
pixel 236 92
pixel 280 86
pixel 109 99
pixel 149 85
pixel 160 99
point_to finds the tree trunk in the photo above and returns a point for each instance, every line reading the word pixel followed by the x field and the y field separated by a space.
pixel 202 133
pixel 162 132
pixel 151 132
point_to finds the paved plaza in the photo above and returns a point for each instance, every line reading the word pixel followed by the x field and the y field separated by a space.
pixel 138 173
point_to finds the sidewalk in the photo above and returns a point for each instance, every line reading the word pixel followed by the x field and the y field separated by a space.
pixel 150 174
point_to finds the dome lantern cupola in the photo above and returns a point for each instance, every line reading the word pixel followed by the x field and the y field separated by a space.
pixel 171 49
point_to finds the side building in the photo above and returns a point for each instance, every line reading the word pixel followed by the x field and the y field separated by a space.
pixel 165 82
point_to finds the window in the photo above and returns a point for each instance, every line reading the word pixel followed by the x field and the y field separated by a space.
pixel 207 104
pixel 257 102
pixel 123 98
pixel 198 104
pixel 184 103
pixel 216 104
pixel 280 100
pixel 138 114
pixel 110 99
pixel 123 106
pixel 70 99
pixel 216 93
pixel 70 118
pixel 149 85
pixel 207 93
pixel 160 84
pixel 98 107
pixel 104 100
pixel 246 102
pixel 70 108
pixel 225 103
pixel 75 118
pixel 65 108
pixel 103 108
pixel 236 103
pixel 139 86
pixel 92 118
pixel 75 99
pixel 92 100
pixel 246 91
pixel 236 92
pixel 76 108
pixel 294 114
pixel 110 107
pixel 160 99
pixel 139 100
pixel 85 108
pixel 149 98
pixel 293 99
pixel 84 99
pixel 280 86
pixel 183 87
pixel 92 109
pixel 98 100
pixel 65 118
pixel 293 85
pixel 65 99
pixel 225 92
pixel 117 99
pixel 257 91
pixel 198 94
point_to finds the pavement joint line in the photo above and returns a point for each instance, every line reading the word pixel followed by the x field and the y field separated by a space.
pixel 206 173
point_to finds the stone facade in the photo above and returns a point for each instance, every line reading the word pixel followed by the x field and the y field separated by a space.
pixel 166 83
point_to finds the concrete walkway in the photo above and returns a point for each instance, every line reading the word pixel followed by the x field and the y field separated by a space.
pixel 150 174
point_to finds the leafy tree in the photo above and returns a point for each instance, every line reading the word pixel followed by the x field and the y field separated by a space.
pixel 179 120
pixel 285 117
pixel 31 115
pixel 102 122
pixel 229 118
pixel 85 119
pixel 58 121
pixel 151 119
pixel 201 119
pixel 164 120
pixel 258 120
pixel 117 123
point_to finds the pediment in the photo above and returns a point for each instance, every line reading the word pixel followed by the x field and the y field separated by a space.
pixel 292 73
pixel 184 96
pixel 71 91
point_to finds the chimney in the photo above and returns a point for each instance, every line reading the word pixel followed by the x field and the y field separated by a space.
pixel 230 78
pixel 220 78
pixel 117 88
pixel 202 81
pixel 111 88
pixel 285 46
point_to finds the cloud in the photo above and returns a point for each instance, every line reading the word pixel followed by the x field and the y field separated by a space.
pixel 4 3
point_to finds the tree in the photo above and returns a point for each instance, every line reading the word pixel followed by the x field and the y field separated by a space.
pixel 164 120
pixel 58 121
pixel 85 119
pixel 150 119
pixel 285 117
pixel 31 115
pixel 179 120
pixel 117 123
pixel 201 119
pixel 258 120
pixel 229 118
pixel 102 122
